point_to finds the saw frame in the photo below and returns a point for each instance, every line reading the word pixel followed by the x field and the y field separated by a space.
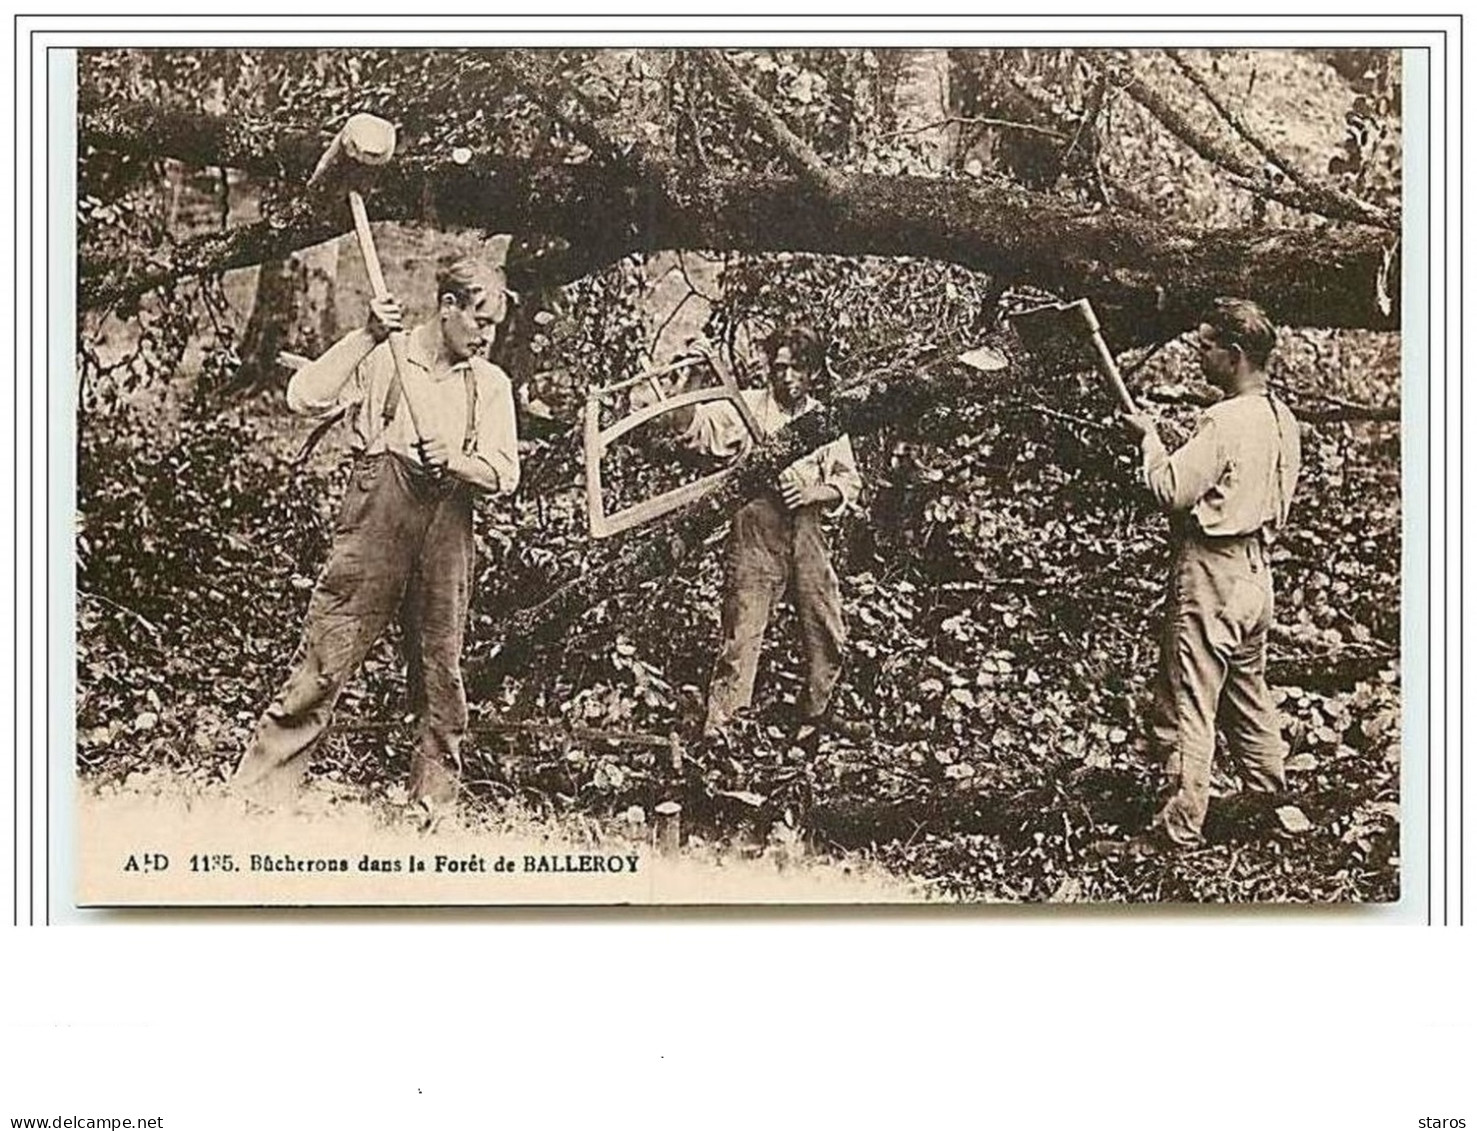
pixel 598 441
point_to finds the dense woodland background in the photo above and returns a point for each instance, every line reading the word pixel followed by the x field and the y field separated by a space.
pixel 1000 587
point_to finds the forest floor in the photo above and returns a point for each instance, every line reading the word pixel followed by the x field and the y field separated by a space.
pixel 999 604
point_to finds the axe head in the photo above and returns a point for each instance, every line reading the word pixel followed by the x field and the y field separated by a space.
pixel 1060 330
pixel 364 140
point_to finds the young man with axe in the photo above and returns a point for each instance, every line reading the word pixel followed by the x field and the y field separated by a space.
pixel 778 541
pixel 1227 491
pixel 433 426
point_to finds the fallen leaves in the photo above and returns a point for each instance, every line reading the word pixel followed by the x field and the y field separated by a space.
pixel 1293 819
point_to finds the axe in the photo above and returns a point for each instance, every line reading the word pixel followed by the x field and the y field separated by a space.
pixel 1044 327
pixel 364 142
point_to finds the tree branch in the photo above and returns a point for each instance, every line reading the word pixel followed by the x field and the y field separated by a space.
pixel 905 393
pixel 803 160
pixel 1148 277
pixel 1246 174
pixel 574 201
pixel 620 566
pixel 121 280
pixel 993 123
pixel 141 130
pixel 1340 410
pixel 1328 198
pixel 565 103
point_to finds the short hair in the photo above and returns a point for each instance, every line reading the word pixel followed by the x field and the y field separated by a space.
pixel 805 346
pixel 1242 323
pixel 458 277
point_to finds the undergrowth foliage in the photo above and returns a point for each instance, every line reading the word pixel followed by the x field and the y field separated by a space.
pixel 999 591
pixel 1000 586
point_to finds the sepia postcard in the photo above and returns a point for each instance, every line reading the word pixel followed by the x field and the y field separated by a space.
pixel 742 474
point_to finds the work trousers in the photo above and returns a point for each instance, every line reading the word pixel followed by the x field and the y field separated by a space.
pixel 771 549
pixel 402 547
pixel 1212 663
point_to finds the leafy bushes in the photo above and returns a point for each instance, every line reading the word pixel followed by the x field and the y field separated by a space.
pixel 194 557
pixel 999 596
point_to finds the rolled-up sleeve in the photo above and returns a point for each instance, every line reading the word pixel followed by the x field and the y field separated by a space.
pixel 716 430
pixel 838 469
pixel 497 430
pixel 1181 480
pixel 338 378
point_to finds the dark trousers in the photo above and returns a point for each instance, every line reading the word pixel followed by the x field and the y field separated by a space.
pixel 772 549
pixel 1212 666
pixel 402 548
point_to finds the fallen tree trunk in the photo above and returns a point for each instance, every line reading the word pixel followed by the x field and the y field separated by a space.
pixel 140 129
pixel 614 568
pixel 650 553
pixel 1148 277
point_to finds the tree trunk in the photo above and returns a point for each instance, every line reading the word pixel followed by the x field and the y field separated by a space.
pixel 293 310
pixel 1149 278
pixel 921 100
pixel 268 327
pixel 618 566
pixel 318 324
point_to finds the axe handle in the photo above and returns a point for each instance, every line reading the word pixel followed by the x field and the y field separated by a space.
pixel 367 248
pixel 382 292
pixel 1110 371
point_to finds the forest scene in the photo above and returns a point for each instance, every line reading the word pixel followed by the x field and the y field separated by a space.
pixel 1002 574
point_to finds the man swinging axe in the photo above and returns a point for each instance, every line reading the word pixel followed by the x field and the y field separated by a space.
pixel 432 426
pixel 1227 491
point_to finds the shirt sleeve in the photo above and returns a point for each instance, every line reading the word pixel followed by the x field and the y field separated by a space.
pixel 337 379
pixel 839 470
pixel 717 430
pixel 497 432
pixel 1292 463
pixel 1179 481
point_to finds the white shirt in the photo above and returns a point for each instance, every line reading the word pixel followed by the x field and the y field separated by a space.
pixel 1236 475
pixel 440 402
pixel 718 430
